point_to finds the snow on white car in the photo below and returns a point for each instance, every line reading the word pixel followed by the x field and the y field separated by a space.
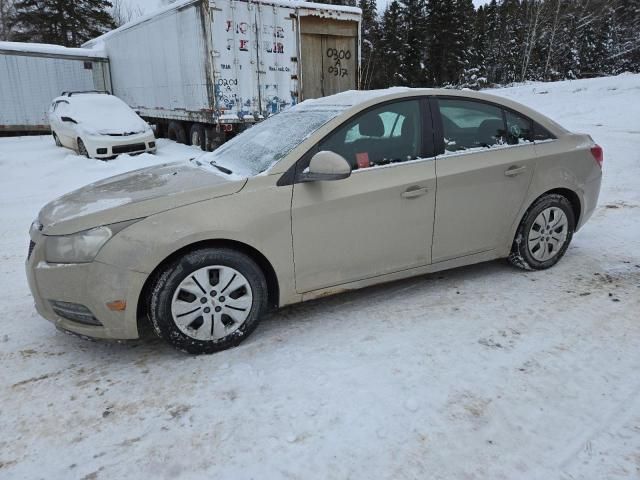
pixel 98 125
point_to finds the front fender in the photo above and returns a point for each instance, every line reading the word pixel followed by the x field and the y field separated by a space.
pixel 257 217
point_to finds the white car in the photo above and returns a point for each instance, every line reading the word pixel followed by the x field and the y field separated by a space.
pixel 98 125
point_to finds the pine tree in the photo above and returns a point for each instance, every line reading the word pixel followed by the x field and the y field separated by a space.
pixel 627 56
pixel 449 34
pixel 493 43
pixel 63 22
pixel 7 19
pixel 392 47
pixel 475 71
pixel 447 42
pixel 370 40
pixel 414 13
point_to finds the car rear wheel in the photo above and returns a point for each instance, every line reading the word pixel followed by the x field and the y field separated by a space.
pixel 544 233
pixel 56 139
pixel 208 300
pixel 82 149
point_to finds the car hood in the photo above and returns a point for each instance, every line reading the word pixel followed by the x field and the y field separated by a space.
pixel 135 194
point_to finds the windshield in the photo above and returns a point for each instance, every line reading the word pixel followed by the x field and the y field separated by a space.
pixel 261 146
pixel 105 114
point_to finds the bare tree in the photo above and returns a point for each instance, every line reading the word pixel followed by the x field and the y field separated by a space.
pixel 7 13
pixel 123 12
pixel 535 9
pixel 554 29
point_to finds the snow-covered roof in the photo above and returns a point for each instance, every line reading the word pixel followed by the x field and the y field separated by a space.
pixel 348 98
pixel 308 6
pixel 48 49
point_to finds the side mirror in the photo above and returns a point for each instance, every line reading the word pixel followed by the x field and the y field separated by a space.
pixel 68 119
pixel 325 166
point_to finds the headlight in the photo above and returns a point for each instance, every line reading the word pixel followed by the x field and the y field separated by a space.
pixel 36 226
pixel 81 247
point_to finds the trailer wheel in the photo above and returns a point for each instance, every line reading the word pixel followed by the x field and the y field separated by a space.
pixel 160 130
pixel 214 139
pixel 197 136
pixel 176 132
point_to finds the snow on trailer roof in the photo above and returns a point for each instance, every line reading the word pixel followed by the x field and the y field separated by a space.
pixel 49 49
pixel 310 6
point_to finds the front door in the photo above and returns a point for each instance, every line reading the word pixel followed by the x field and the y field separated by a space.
pixel 483 176
pixel 380 219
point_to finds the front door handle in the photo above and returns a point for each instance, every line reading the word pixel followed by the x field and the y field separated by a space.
pixel 513 171
pixel 414 192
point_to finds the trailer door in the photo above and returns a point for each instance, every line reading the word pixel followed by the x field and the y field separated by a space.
pixel 329 56
pixel 235 52
pixel 276 57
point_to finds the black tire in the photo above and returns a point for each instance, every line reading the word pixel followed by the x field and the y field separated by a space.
pixel 82 150
pixel 521 255
pixel 176 132
pixel 213 140
pixel 169 279
pixel 160 129
pixel 56 139
pixel 197 136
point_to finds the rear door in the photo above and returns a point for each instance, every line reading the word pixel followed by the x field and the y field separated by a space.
pixel 329 56
pixel 485 162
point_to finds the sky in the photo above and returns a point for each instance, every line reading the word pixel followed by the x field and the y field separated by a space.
pixel 150 5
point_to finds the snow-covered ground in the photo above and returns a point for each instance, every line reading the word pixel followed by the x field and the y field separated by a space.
pixel 484 372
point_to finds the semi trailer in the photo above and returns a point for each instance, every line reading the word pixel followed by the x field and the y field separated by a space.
pixel 203 70
pixel 32 74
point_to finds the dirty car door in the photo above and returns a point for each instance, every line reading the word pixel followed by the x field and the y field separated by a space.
pixel 380 219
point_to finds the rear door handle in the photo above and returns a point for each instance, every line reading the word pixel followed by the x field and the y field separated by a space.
pixel 513 171
pixel 414 192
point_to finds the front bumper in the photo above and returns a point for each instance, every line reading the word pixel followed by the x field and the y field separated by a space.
pixel 105 146
pixel 92 285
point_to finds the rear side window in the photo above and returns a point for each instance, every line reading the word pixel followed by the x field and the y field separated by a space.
pixel 469 125
pixel 540 133
pixel 387 134
pixel 519 129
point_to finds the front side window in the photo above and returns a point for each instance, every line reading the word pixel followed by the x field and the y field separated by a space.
pixel 387 134
pixel 469 125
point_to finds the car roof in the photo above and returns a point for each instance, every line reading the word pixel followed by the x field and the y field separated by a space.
pixel 352 101
pixel 73 95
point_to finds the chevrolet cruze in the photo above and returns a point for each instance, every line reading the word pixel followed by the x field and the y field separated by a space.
pixel 334 194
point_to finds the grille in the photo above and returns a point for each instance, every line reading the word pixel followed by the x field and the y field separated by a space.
pixel 134 147
pixel 32 245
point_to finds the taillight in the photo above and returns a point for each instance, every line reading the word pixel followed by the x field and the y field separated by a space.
pixel 598 154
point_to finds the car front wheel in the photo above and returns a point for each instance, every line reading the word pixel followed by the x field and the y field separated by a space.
pixel 544 233
pixel 208 300
pixel 82 149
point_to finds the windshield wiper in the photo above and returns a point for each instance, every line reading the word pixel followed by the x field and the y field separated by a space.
pixel 222 169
